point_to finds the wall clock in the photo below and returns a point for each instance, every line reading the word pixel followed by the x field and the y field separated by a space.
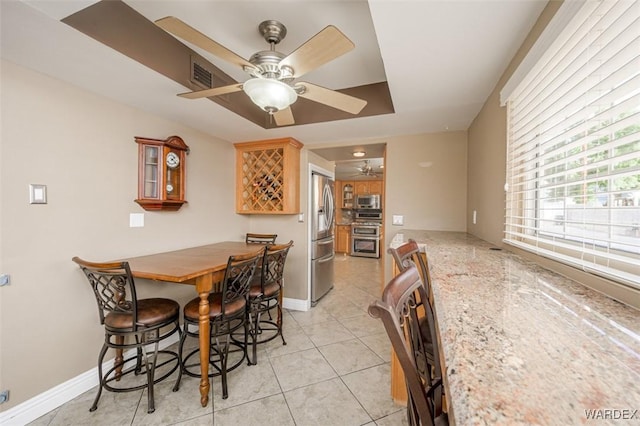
pixel 161 173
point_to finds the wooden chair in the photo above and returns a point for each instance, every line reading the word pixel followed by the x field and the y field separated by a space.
pixel 130 324
pixel 406 256
pixel 266 294
pixel 228 312
pixel 251 238
pixel 399 312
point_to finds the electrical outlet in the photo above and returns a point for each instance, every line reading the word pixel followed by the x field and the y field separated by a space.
pixel 397 220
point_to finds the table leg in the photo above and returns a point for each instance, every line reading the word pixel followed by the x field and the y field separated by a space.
pixel 205 341
pixel 204 285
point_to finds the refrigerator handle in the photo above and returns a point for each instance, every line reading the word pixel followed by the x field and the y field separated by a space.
pixel 326 260
pixel 328 202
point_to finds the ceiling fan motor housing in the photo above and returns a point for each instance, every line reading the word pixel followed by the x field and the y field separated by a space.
pixel 267 64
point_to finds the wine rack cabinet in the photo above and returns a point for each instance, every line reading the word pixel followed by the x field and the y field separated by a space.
pixel 268 176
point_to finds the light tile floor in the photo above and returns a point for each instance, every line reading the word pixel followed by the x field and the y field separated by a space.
pixel 334 370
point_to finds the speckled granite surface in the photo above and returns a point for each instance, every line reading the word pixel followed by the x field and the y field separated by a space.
pixel 523 345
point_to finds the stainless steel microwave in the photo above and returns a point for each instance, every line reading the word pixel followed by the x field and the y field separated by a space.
pixel 368 201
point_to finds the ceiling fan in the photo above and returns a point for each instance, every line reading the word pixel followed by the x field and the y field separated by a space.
pixel 272 85
pixel 367 170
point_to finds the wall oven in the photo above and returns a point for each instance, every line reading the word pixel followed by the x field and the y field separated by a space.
pixel 368 216
pixel 365 239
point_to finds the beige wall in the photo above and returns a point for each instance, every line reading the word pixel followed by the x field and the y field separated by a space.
pixel 426 179
pixel 426 182
pixel 81 146
pixel 487 150
pixel 432 197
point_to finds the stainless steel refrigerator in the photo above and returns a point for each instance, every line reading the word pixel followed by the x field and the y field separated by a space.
pixel 322 236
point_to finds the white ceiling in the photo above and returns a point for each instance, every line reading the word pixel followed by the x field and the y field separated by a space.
pixel 441 58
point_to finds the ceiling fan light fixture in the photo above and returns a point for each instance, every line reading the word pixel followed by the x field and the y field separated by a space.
pixel 359 154
pixel 269 94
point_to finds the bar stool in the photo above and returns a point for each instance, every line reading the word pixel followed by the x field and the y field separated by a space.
pixel 130 324
pixel 406 256
pixel 399 312
pixel 228 312
pixel 266 294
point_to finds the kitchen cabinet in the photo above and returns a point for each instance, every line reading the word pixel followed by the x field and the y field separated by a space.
pixel 343 239
pixel 347 194
pixel 268 176
pixel 368 187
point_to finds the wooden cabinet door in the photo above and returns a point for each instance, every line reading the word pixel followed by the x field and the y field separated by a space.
pixel 339 240
pixel 338 193
pixel 375 187
pixel 347 194
pixel 343 239
pixel 368 187
pixel 362 187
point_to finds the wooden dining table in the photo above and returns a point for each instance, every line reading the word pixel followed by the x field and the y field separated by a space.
pixel 202 267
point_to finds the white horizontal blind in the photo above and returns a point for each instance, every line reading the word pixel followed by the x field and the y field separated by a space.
pixel 573 155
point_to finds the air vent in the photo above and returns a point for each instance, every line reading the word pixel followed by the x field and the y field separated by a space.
pixel 200 75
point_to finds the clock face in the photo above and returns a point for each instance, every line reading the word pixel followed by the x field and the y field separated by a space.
pixel 172 160
pixel 169 188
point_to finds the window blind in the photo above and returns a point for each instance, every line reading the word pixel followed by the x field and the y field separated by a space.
pixel 573 154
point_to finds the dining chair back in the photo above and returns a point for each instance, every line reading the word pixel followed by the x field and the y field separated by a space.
pixel 266 294
pixel 130 324
pixel 228 312
pixel 252 238
pixel 409 255
pixel 400 312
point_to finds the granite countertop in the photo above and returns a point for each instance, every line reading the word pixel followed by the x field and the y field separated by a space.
pixel 524 345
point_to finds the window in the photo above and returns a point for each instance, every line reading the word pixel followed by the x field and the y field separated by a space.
pixel 573 155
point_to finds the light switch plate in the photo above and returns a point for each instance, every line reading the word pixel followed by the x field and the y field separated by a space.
pixel 397 220
pixel 37 194
pixel 136 220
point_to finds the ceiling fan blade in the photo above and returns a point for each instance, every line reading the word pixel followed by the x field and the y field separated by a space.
pixel 332 98
pixel 323 47
pixel 216 91
pixel 284 117
pixel 184 31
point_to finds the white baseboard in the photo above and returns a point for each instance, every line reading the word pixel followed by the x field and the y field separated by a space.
pixel 296 304
pixel 53 398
